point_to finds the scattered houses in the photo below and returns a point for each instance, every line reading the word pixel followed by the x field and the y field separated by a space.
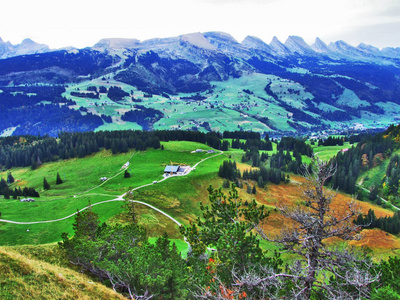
pixel 27 200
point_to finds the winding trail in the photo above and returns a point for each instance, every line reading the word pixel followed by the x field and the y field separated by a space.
pixel 119 198
pixel 384 200
pixel 105 181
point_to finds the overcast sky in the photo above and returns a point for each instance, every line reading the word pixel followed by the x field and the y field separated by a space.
pixel 81 23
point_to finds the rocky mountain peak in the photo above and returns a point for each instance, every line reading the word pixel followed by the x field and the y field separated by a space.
pixel 320 46
pixel 278 47
pixel 253 42
pixel 296 44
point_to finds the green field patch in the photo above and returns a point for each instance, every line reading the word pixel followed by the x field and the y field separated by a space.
pixel 82 185
pixel 350 99
pixel 327 152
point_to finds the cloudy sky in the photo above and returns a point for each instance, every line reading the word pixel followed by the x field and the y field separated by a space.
pixel 81 23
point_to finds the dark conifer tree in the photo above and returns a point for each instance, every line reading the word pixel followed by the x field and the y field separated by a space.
pixel 58 180
pixel 10 178
pixel 46 185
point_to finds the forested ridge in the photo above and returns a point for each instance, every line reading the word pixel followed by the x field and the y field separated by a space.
pixel 370 151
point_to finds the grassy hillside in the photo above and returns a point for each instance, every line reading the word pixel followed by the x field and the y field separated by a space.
pixel 235 104
pixel 41 272
pixel 82 185
pixel 178 196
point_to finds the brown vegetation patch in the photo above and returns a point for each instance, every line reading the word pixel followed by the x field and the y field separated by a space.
pixel 291 195
pixel 376 238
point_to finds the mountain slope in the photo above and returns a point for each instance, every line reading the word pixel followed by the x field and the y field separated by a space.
pixel 209 77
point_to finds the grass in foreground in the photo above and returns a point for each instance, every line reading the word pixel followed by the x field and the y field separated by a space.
pixel 30 276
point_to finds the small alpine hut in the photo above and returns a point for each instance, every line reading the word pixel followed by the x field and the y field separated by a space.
pixel 171 170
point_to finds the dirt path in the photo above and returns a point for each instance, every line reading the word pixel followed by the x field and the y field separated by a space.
pixel 119 198
pixel 102 202
pixel 384 200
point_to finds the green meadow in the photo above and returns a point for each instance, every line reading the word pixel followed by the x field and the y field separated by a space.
pixel 176 195
pixel 327 152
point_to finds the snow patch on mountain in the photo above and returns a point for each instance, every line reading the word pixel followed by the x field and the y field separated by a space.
pixel 117 43
pixel 198 40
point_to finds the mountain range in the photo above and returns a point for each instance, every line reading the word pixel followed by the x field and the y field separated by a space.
pixel 293 45
pixel 26 47
pixel 199 81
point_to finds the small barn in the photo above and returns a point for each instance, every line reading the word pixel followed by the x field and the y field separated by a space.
pixel 171 169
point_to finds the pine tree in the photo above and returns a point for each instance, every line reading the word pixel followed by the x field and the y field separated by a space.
pixel 260 182
pixel 58 180
pixel 10 178
pixel 127 174
pixel 249 189
pixel 46 185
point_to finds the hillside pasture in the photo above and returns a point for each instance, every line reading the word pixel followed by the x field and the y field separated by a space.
pixel 82 185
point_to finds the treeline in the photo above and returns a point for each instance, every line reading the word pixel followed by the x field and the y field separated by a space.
pixel 277 163
pixel 331 141
pixel 30 151
pixel 116 93
pixel 285 161
pixel 253 154
pixel 143 116
pixel 295 145
pixel 228 170
pixel 14 97
pixel 262 176
pixel 47 119
pixel 370 151
pixel 280 160
pixel 8 192
pixel 85 95
pixel 388 224
pixel 244 135
pixel 391 181
pixel 252 139
pixel 248 144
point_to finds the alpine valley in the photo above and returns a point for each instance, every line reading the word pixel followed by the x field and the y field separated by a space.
pixel 200 81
